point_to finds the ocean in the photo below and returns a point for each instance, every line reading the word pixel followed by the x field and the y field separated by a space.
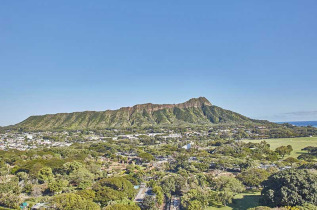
pixel 302 123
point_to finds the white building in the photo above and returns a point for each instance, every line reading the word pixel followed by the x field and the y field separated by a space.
pixel 188 146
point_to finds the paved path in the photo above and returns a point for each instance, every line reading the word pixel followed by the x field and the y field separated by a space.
pixel 141 194
pixel 175 203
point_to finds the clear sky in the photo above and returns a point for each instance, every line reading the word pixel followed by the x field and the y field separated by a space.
pixel 258 58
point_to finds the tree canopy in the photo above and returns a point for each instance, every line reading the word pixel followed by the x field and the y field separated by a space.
pixel 290 188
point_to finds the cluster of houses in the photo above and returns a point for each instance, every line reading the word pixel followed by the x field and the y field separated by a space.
pixel 27 141
pixel 32 140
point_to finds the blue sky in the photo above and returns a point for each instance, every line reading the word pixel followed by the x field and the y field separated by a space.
pixel 258 58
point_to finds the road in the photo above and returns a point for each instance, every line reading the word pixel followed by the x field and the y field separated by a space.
pixel 142 192
pixel 175 203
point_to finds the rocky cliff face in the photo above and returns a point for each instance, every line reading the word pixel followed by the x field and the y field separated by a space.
pixel 195 102
pixel 196 111
pixel 149 107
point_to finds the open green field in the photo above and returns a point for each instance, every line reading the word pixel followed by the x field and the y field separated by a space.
pixel 241 201
pixel 296 143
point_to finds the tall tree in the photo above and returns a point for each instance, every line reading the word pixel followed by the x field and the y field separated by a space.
pixel 290 188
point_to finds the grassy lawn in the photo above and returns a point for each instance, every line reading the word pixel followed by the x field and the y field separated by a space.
pixel 242 201
pixel 249 200
pixel 297 143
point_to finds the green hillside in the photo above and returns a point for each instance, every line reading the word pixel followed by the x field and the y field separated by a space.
pixel 196 111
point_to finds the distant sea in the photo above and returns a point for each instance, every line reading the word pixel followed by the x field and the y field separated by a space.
pixel 302 123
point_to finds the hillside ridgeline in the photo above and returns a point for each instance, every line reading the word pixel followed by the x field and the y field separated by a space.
pixel 196 111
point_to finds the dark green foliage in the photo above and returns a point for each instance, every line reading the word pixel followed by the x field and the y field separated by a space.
pixel 87 194
pixel 32 167
pixel 253 177
pixel 9 200
pixel 45 174
pixel 148 203
pixel 116 188
pixel 146 157
pixel 172 185
pixel 311 165
pixel 259 151
pixel 311 155
pixel 224 183
pixel 159 196
pixel 287 131
pixel 56 186
pixel 133 178
pixel 10 186
pixel 122 207
pixel 71 201
pixel 195 199
pixel 290 188
pixel 284 150
pixel 104 148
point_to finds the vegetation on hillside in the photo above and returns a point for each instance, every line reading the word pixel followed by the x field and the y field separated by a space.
pixel 193 112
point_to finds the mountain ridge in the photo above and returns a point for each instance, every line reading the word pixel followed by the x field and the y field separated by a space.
pixel 188 103
pixel 196 111
pixel 193 102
